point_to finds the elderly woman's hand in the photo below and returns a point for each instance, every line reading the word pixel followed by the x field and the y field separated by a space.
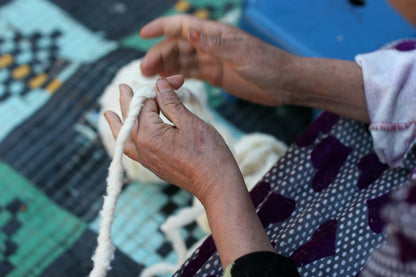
pixel 251 69
pixel 191 154
pixel 219 53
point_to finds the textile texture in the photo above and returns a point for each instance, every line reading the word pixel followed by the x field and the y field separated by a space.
pixel 327 201
pixel 56 58
pixel 321 202
pixel 390 102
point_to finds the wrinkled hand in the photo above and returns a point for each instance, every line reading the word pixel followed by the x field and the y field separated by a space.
pixel 191 154
pixel 219 53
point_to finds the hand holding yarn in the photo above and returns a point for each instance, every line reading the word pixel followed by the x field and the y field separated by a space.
pixel 190 153
pixel 187 152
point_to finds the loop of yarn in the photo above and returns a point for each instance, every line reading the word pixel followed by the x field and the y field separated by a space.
pixel 104 252
pixel 192 94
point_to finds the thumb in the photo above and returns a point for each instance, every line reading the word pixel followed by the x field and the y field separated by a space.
pixel 169 103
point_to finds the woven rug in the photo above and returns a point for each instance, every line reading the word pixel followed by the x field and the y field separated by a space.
pixel 56 58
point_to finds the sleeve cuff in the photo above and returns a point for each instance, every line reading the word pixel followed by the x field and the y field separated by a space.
pixel 262 264
pixel 389 90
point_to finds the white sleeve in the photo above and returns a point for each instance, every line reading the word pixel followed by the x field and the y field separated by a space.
pixel 390 89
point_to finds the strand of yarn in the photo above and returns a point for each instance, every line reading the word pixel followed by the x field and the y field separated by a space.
pixel 171 228
pixel 104 252
pixel 174 223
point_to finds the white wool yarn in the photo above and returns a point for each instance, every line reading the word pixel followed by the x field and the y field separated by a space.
pixel 193 95
pixel 104 252
pixel 109 101
pixel 254 153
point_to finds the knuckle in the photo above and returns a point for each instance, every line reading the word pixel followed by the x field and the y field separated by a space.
pixel 218 36
pixel 181 17
pixel 172 102
pixel 142 136
pixel 215 40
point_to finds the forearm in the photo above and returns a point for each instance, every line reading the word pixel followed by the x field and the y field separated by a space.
pixel 328 84
pixel 234 224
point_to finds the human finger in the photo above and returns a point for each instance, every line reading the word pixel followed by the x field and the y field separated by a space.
pixel 175 26
pixel 126 94
pixel 220 39
pixel 176 81
pixel 114 122
pixel 169 103
pixel 149 114
pixel 166 57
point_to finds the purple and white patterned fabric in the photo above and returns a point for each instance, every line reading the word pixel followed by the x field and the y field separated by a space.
pixel 397 256
pixel 322 204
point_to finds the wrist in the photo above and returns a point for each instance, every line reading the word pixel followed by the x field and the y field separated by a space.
pixel 235 226
pixel 220 185
pixel 284 68
pixel 292 83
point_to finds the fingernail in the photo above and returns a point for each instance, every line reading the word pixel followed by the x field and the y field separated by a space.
pixel 163 86
pixel 194 35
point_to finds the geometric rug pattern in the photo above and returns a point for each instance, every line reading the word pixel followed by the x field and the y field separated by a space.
pixel 56 58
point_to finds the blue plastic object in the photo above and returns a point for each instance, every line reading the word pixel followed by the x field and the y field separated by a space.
pixel 325 28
